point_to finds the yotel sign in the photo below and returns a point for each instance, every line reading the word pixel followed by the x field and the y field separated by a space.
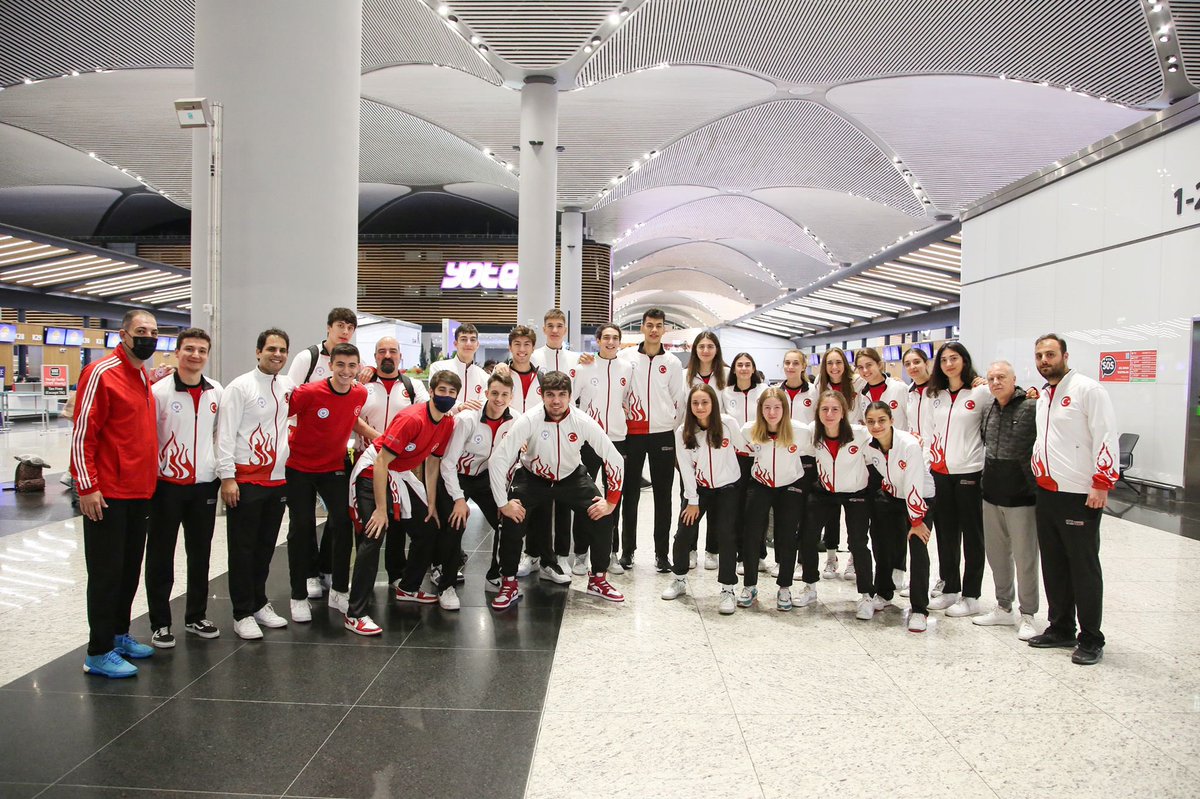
pixel 481 275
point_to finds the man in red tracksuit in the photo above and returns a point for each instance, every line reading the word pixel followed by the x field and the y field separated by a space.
pixel 114 461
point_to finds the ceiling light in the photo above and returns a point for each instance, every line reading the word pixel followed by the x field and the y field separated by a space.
pixel 475 40
pixel 28 80
pixel 483 48
pixel 74 73
pixel 614 18
pixel 587 48
pixel 444 10
pixel 595 40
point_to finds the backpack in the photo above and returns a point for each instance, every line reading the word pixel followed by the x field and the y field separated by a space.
pixel 28 477
pixel 315 352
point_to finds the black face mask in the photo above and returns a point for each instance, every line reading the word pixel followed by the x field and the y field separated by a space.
pixel 387 366
pixel 144 346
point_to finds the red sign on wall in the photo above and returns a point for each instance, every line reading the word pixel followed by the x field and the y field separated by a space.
pixel 1130 366
pixel 54 381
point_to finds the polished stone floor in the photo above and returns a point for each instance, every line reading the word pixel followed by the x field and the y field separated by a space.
pixel 567 695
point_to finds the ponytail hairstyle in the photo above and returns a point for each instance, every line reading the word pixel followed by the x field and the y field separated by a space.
pixel 760 433
pixel 938 381
pixel 845 433
pixel 718 361
pixel 716 430
pixel 754 378
pixel 824 383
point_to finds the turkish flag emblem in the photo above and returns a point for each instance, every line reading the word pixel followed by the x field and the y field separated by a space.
pixel 572 437
pixel 853 450
pixel 662 370
pixel 1066 402
pixel 903 465
pixel 213 407
pixel 895 405
pixel 623 381
pixel 970 405
pixel 807 403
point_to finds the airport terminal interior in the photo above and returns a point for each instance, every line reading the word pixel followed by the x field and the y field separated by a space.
pixel 864 204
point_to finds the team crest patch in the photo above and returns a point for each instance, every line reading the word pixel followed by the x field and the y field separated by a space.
pixel 478 439
pixel 478 389
pixel 323 413
pixel 405 394
pixel 1066 402
pixel 545 435
pixel 724 442
pixel 970 405
pixel 807 403
pixel 262 402
pixel 902 464
pixel 853 450
pixel 411 446
pixel 662 370
pixel 596 381
pixel 357 410
pixel 177 407
pixel 572 437
pixel 895 405
pixel 213 407
pixel 792 449
pixel 622 381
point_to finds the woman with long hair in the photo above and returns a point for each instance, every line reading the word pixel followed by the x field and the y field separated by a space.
pixel 879 387
pixel 917 367
pixel 706 366
pixel 740 397
pixel 955 401
pixel 778 446
pixel 842 483
pixel 900 508
pixel 835 375
pixel 797 386
pixel 706 447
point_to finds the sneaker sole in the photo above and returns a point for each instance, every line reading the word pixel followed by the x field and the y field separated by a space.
pixel 494 606
pixel 207 636
pixel 451 610
pixel 416 601
pixel 250 637
pixel 125 654
pixel 724 612
pixel 272 626
pixel 162 645
pixel 783 608
pixel 365 634
pixel 911 630
pixel 565 580
pixel 110 675
pixel 606 598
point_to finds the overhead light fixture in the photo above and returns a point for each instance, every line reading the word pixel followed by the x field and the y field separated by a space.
pixel 444 10
pixel 475 40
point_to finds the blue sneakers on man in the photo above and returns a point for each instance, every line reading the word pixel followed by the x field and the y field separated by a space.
pixel 128 646
pixel 110 665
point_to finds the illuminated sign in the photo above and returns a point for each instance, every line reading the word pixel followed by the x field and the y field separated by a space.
pixel 481 275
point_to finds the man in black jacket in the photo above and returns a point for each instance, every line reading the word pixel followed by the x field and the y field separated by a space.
pixel 1009 524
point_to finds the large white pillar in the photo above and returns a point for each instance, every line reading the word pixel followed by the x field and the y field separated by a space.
pixel 570 265
pixel 287 74
pixel 539 190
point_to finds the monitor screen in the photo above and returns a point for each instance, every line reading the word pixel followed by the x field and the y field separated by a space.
pixel 54 336
pixel 891 353
pixel 8 334
pixel 164 344
pixel 814 360
pixel 925 347
pixel 74 338
pixel 112 340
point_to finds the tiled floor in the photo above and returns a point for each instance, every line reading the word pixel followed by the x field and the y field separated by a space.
pixel 568 695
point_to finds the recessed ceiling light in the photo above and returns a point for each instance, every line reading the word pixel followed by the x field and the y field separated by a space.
pixel 444 10
pixel 801 91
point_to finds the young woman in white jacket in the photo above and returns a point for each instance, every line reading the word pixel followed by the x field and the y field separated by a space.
pixel 705 367
pixel 835 375
pixel 706 446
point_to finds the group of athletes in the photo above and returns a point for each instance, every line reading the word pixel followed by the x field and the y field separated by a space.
pixel 1008 475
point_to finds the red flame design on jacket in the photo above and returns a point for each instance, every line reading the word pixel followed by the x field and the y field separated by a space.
pixel 1041 473
pixel 594 412
pixel 762 477
pixel 889 488
pixel 826 481
pixel 465 461
pixel 262 448
pixel 615 482
pixel 701 480
pixel 937 452
pixel 634 411
pixel 542 470
pixel 916 504
pixel 174 463
pixel 1105 467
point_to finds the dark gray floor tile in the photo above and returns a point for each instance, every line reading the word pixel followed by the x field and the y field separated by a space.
pixel 20 790
pixel 95 792
pixel 473 679
pixel 484 628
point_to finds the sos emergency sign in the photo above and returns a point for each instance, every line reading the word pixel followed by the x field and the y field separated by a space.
pixel 481 275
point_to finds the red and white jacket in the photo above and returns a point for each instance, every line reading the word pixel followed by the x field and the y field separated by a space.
pixel 914 410
pixel 894 393
pixel 603 388
pixel 656 399
pixel 383 403
pixel 471 446
pixel 252 428
pixel 551 450
pixel 474 379
pixel 560 360
pixel 113 444
pixel 814 393
pixel 187 431
pixel 527 399
pixel 951 429
pixel 706 467
pixel 776 466
pixel 801 404
pixel 741 405
pixel 397 482
pixel 1076 448
pixel 697 380
pixel 905 472
pixel 842 468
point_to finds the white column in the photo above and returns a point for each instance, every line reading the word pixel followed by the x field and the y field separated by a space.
pixel 570 270
pixel 539 189
pixel 287 73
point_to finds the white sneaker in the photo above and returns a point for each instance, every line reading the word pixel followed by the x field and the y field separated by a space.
pixel 740 568
pixel 315 589
pixel 763 568
pixel 267 617
pixel 711 562
pixel 938 587
pixel 692 559
pixel 831 563
pixel 301 611
pixel 247 628
pixel 555 574
pixel 614 564
pixel 675 589
pixel 448 599
pixel 783 599
pixel 807 597
pixel 965 606
pixel 527 566
pixel 898 579
pixel 906 590
pixel 564 563
pixel 580 565
pixel 866 608
pixel 943 601
pixel 340 601
pixel 849 575
pixel 774 570
pixel 995 617
pixel 879 603
pixel 1026 630
pixel 918 623
pixel 728 600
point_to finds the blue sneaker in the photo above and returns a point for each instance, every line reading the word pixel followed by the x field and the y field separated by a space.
pixel 110 665
pixel 128 646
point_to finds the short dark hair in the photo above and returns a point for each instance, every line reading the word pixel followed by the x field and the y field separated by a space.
pixel 346 349
pixel 448 377
pixel 192 332
pixel 654 313
pixel 1062 342
pixel 272 331
pixel 555 381
pixel 600 330
pixel 465 329
pixel 878 406
pixel 132 314
pixel 521 331
pixel 502 379
pixel 342 315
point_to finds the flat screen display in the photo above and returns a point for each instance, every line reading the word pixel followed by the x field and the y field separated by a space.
pixel 74 338
pixel 891 353
pixel 54 336
pixel 8 334
pixel 925 347
pixel 112 340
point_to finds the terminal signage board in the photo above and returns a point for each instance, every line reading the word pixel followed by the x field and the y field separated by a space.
pixel 1129 366
pixel 481 275
pixel 54 381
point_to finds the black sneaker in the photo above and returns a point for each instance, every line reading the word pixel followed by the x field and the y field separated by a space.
pixel 626 562
pixel 162 638
pixel 662 565
pixel 203 628
pixel 460 578
pixel 1086 655
pixel 1051 640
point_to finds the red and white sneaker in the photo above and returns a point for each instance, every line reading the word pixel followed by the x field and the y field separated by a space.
pixel 598 585
pixel 363 625
pixel 418 596
pixel 510 593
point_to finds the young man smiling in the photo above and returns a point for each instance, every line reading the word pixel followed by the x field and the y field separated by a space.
pixel 470 374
